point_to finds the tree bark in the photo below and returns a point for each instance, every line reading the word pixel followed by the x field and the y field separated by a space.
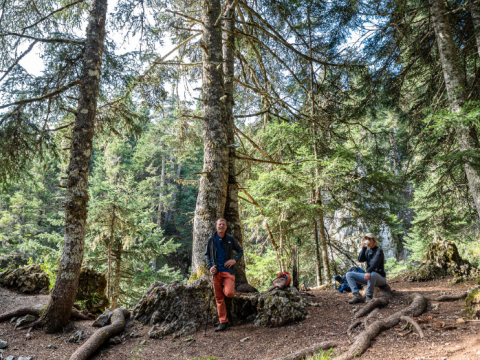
pixel 59 307
pixel 212 191
pixel 160 194
pixel 232 213
pixel 475 11
pixel 318 265
pixel 116 286
pixel 456 90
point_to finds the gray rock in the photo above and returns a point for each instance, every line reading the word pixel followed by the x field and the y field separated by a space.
pixel 134 334
pixel 245 339
pixel 3 344
pixel 103 319
pixel 143 342
pixel 115 340
pixel 25 320
pixel 25 358
pixel 13 319
pixel 77 337
pixel 52 347
pixel 10 358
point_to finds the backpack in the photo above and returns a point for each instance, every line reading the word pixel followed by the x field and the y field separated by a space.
pixel 282 281
pixel 343 283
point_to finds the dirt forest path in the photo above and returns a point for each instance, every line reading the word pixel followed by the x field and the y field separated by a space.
pixel 444 338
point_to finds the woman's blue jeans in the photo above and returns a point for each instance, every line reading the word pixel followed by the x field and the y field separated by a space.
pixel 375 279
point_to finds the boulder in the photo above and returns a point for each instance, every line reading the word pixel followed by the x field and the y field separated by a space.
pixel 181 309
pixel 77 337
pixel 443 259
pixel 472 304
pixel 92 290
pixel 28 279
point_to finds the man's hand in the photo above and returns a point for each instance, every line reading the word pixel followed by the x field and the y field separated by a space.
pixel 213 270
pixel 367 276
pixel 228 264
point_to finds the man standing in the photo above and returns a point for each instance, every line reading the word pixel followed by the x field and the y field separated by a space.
pixel 220 263
pixel 375 273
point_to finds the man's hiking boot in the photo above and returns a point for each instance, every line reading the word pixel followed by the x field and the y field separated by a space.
pixel 357 298
pixel 221 327
pixel 368 299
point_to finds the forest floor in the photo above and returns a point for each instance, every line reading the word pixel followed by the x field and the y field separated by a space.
pixel 444 338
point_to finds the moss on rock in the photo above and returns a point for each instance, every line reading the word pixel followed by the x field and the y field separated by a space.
pixel 443 259
pixel 28 279
pixel 91 290
pixel 181 309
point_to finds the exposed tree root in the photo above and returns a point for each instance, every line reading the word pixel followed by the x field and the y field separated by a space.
pixel 363 339
pixel 414 324
pixel 22 311
pixel 382 298
pixel 299 355
pixel 448 297
pixel 36 310
pixel 78 315
pixel 371 315
pixel 353 326
pixel 101 335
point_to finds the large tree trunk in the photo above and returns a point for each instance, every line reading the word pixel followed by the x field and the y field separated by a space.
pixel 116 286
pixel 456 90
pixel 212 191
pixel 59 307
pixel 232 213
pixel 476 22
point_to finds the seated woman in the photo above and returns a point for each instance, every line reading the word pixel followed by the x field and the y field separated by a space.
pixel 375 273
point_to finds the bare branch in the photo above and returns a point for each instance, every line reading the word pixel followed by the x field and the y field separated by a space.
pixel 18 60
pixel 44 97
pixel 54 40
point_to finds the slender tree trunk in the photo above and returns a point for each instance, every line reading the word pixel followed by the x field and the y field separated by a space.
pixel 318 264
pixel 474 9
pixel 116 286
pixel 318 196
pixel 456 90
pixel 160 194
pixel 232 213
pixel 212 191
pixel 59 307
pixel 109 272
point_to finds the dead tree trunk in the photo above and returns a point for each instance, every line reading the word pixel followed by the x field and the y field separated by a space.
pixel 59 308
pixel 212 191
pixel 160 194
pixel 456 90
pixel 232 214
pixel 116 286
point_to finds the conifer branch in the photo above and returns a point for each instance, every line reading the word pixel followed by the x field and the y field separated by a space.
pixel 44 97
pixel 53 13
pixel 53 40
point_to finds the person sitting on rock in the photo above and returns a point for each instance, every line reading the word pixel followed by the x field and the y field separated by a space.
pixel 220 263
pixel 374 274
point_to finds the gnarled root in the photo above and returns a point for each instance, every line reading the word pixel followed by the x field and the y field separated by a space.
pixel 299 355
pixel 448 297
pixel 22 311
pixel 382 299
pixel 37 310
pixel 353 326
pixel 414 324
pixel 371 315
pixel 101 335
pixel 363 339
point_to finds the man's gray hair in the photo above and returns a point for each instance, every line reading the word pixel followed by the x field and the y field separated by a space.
pixel 222 219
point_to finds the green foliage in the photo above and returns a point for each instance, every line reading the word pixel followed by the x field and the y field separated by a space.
pixel 323 355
